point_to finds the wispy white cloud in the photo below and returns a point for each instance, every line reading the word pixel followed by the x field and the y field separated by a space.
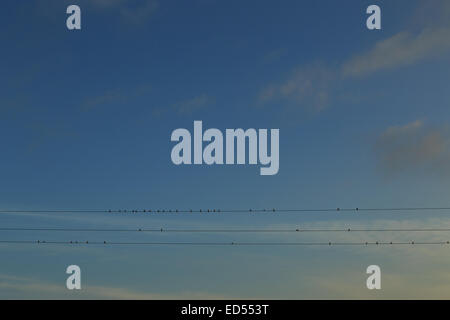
pixel 27 288
pixel 427 36
pixel 408 272
pixel 414 146
pixel 401 49
pixel 395 284
pixel 308 87
pixel 312 85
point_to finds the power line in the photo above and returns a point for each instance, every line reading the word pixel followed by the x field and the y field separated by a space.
pixel 293 230
pixel 377 243
pixel 445 210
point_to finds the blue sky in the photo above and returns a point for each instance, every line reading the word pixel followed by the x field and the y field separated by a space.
pixel 86 118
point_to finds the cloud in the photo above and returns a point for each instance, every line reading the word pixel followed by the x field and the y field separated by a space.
pixel 109 97
pixel 426 276
pixel 306 86
pixel 414 146
pixel 306 272
pixel 27 288
pixel 431 38
pixel 312 85
pixel 399 50
pixel 394 284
